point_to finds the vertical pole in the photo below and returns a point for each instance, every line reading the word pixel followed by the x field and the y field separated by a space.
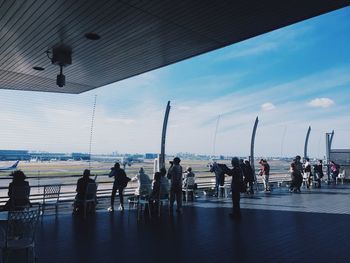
pixel 216 130
pixel 251 157
pixel 92 129
pixel 306 142
pixel 329 139
pixel 162 146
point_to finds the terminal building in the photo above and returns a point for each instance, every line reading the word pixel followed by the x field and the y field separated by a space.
pixel 14 155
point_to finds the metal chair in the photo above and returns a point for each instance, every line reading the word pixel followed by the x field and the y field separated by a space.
pixel 163 198
pixel 142 202
pixel 189 188
pixel 51 196
pixel 20 232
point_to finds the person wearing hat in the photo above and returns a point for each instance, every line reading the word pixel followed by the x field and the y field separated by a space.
pixel 18 193
pixel 175 176
pixel 81 190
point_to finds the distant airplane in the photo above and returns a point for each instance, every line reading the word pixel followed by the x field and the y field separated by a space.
pixel 10 168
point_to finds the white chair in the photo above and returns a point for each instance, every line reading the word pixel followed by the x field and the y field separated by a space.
pixel 189 188
pixel 341 177
pixel 51 196
pixel 143 200
pixel 20 232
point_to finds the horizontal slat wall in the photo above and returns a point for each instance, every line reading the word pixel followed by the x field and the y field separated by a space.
pixel 136 36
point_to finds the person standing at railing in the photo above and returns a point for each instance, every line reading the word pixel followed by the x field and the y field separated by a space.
pixel 307 172
pixel 265 173
pixel 236 182
pixel 335 168
pixel 318 172
pixel 249 177
pixel 120 182
pixel 217 169
pixel 175 176
pixel 164 184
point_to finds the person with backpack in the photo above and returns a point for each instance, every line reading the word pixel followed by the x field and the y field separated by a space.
pixel 218 170
pixel 249 177
pixel 120 182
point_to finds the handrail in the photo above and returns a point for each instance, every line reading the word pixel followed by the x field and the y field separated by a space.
pixel 65 195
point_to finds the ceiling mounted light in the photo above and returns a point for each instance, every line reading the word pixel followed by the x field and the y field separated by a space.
pixel 38 68
pixel 92 36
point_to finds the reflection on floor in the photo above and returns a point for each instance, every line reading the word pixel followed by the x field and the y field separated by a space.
pixel 278 227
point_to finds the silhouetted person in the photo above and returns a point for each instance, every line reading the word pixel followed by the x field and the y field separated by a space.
pixel 175 176
pixel 249 177
pixel 318 173
pixel 81 192
pixel 18 192
pixel 237 178
pixel 164 184
pixel 298 164
pixel 296 178
pixel 155 194
pixel 120 182
pixel 218 170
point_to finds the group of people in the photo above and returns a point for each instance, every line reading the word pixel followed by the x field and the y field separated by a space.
pixel 164 185
pixel 171 184
pixel 310 173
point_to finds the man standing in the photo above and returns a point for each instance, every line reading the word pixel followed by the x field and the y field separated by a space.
pixel 237 178
pixel 175 176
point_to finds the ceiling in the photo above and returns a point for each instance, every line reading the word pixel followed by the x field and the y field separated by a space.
pixel 136 35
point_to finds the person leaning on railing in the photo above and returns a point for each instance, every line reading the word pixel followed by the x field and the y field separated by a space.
pixel 18 193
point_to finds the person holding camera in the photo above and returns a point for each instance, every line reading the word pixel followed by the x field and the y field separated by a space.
pixel 120 182
pixel 175 176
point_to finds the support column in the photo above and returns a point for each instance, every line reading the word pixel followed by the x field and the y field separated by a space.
pixel 251 157
pixel 306 142
pixel 329 139
pixel 162 145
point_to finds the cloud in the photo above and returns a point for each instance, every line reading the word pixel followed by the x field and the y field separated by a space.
pixel 268 106
pixel 321 103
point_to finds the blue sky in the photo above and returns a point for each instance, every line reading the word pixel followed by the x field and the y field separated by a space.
pixel 291 78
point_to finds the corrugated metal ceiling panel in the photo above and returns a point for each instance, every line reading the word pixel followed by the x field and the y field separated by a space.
pixel 136 36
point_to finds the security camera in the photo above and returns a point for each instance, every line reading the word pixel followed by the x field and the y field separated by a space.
pixel 61 80
pixel 61 56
